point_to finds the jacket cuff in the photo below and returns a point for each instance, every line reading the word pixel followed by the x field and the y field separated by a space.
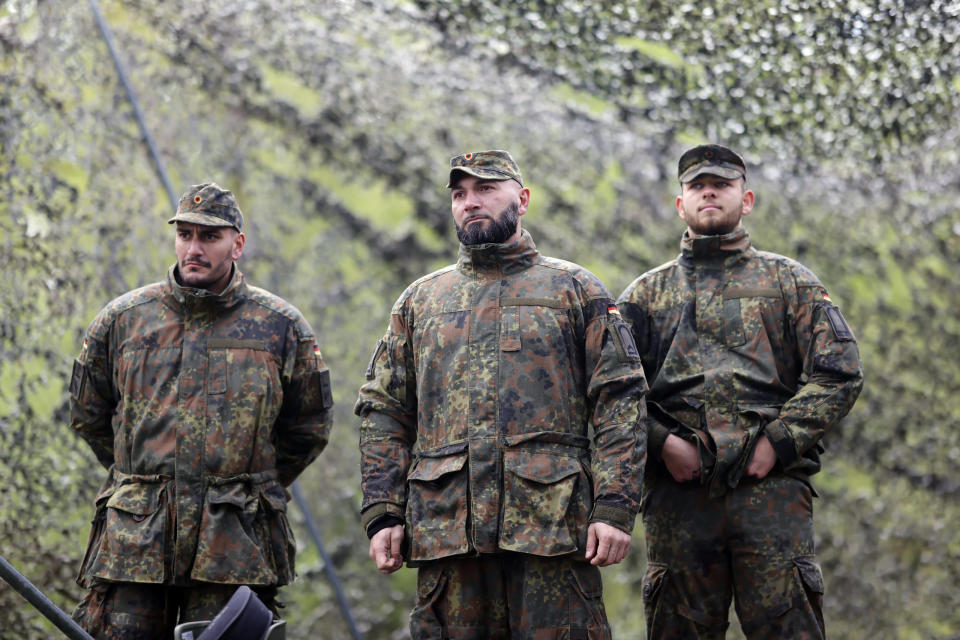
pixel 374 511
pixel 614 516
pixel 779 436
pixel 385 521
pixel 656 436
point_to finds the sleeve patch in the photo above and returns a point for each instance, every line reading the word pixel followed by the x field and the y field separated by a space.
pixel 629 345
pixel 839 325
pixel 326 395
pixel 622 338
pixel 77 378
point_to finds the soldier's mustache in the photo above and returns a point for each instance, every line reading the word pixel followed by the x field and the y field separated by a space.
pixel 202 263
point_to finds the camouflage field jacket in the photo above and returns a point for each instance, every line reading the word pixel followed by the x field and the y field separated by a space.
pixel 736 343
pixel 203 407
pixel 481 401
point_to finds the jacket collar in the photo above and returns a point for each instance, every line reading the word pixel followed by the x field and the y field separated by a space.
pixel 729 245
pixel 235 291
pixel 503 259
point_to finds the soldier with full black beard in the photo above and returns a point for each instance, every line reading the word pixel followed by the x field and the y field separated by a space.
pixel 494 378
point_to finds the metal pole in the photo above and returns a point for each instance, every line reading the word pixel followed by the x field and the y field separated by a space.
pixel 327 562
pixel 132 97
pixel 43 604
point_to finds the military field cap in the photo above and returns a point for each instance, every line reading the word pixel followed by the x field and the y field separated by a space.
pixel 711 159
pixel 209 205
pixel 488 165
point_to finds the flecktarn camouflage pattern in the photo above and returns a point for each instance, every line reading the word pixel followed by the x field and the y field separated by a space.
pixel 139 611
pixel 766 528
pixel 480 402
pixel 548 598
pixel 737 344
pixel 203 407
pixel 711 328
pixel 488 165
pixel 209 204
pixel 710 159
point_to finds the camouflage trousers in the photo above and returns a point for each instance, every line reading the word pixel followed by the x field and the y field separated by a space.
pixel 509 595
pixel 132 611
pixel 754 544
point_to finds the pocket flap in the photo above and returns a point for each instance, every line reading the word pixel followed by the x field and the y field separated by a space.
pixel 275 497
pixel 767 412
pixel 429 469
pixel 105 494
pixel 430 577
pixel 587 579
pixel 544 468
pixel 653 580
pixel 138 499
pixel 810 573
pixel 234 493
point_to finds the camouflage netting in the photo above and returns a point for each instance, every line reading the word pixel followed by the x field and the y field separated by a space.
pixel 333 124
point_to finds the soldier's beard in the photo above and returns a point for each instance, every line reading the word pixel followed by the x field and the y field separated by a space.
pixel 497 231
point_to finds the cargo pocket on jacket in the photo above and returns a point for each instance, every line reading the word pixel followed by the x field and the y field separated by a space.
pixel 97 527
pixel 437 507
pixel 275 532
pixel 131 547
pixel 541 513
pixel 229 550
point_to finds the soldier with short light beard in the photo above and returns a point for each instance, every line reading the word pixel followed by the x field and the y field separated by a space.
pixel 750 364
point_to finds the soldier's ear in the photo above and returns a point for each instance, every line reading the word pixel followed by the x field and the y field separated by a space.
pixel 748 200
pixel 238 242
pixel 524 201
pixel 680 208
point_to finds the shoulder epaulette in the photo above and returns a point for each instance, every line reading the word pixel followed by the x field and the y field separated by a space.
pixel 591 284
pixel 278 305
pixel 803 276
pixel 418 283
pixel 121 304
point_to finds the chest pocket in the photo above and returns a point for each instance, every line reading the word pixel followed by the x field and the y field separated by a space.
pixel 540 322
pixel 219 358
pixel 743 310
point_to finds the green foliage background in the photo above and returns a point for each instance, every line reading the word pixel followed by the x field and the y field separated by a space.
pixel 332 122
